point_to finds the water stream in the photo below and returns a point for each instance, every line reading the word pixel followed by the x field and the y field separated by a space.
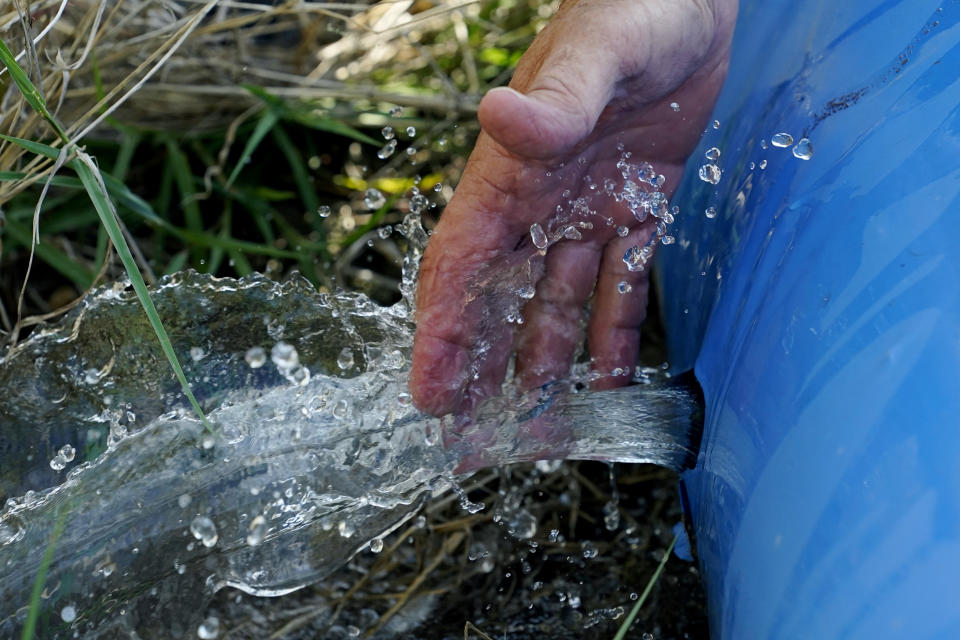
pixel 139 516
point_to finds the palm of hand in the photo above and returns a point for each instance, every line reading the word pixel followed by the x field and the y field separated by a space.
pixel 553 138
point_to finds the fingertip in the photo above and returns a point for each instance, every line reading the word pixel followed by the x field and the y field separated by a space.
pixel 526 125
pixel 437 375
pixel 502 116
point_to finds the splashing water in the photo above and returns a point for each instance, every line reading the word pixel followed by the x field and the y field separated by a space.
pixel 781 140
pixel 317 450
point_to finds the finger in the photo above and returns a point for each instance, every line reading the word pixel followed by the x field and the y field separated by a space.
pixel 553 320
pixel 475 237
pixel 614 332
pixel 558 93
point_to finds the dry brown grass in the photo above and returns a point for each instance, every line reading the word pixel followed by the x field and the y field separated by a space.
pixel 180 65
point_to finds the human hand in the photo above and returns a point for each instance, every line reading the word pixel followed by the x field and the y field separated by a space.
pixel 602 73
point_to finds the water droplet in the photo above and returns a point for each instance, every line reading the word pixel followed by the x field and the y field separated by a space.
pixel 105 568
pixel 712 153
pixel 622 231
pixel 345 529
pixel 207 441
pixel 763 164
pixel 538 236
pixel 522 524
pixel 388 133
pixel 466 503
pixel 753 165
pixel 803 149
pixel 763 144
pixel 204 530
pixel 710 173
pixel 387 150
pixel 526 292
pixel 373 199
pixel 64 456
pixel 716 124
pixel 323 211
pixel 411 150
pixel 345 359
pixel 668 240
pixel 209 628
pixel 636 258
pixel 711 212
pixel 781 139
pixel 624 287
pixel 611 516
pixel 68 613
pixel 284 355
pixel 258 529
pixel 675 106
pixel 396 111
pixel 256 357
pixel 184 500
pixel 11 530
pixel 385 232
pixel 411 131
pixel 419 204
pixel 572 233
pixel 437 188
pixel 589 550
pixel 376 545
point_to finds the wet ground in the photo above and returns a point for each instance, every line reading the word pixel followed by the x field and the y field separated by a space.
pixel 549 556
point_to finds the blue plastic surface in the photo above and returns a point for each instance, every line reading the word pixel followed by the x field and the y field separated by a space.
pixel 822 310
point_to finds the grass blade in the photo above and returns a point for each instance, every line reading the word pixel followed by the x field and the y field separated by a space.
pixel 93 182
pixel 128 145
pixel 176 263
pixel 330 125
pixel 307 117
pixel 38 148
pixel 298 170
pixel 268 119
pixel 33 611
pixel 56 181
pixel 30 92
pixel 622 631
pixel 184 180
pixel 98 195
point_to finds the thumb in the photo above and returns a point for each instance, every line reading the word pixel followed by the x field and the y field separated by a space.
pixel 556 107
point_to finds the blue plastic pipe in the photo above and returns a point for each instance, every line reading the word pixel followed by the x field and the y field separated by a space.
pixel 821 309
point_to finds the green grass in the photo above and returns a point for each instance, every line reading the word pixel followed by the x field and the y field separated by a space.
pixel 95 186
pixel 33 610
pixel 628 621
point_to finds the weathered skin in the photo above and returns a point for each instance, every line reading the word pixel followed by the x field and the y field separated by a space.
pixel 601 72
